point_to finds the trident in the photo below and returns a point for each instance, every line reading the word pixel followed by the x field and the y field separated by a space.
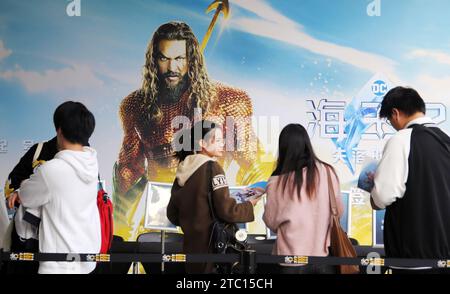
pixel 219 6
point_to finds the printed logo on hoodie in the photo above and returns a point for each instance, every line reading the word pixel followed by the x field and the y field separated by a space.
pixel 218 182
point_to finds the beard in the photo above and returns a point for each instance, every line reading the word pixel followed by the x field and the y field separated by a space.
pixel 172 93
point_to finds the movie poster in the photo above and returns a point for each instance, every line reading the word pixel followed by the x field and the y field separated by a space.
pixel 265 63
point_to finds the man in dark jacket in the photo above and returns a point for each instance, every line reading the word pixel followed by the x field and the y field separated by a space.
pixel 22 171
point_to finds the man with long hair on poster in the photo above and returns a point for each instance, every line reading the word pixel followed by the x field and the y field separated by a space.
pixel 176 84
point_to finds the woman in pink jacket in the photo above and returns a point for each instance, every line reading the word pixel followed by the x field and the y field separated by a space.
pixel 298 205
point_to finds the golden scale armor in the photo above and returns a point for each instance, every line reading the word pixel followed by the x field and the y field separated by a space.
pixel 146 153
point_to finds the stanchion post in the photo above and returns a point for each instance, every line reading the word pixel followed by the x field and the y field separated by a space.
pixel 163 248
pixel 248 261
pixel 135 265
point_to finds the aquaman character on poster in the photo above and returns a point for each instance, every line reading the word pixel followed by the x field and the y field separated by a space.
pixel 176 84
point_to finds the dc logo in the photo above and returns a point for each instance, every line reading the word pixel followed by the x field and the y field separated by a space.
pixel 379 88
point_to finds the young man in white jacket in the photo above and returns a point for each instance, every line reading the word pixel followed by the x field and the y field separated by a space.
pixel 66 190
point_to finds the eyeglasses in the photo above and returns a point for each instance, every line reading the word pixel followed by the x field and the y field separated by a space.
pixel 386 120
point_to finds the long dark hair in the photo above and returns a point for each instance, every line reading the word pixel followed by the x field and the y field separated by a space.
pixel 193 136
pixel 295 152
pixel 201 91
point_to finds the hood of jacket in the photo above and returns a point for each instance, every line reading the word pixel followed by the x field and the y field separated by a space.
pixel 83 162
pixel 189 166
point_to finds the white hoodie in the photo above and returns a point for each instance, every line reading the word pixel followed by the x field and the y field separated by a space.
pixel 66 189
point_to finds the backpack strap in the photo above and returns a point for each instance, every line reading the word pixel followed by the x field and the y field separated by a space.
pixel 333 205
pixel 331 194
pixel 100 184
pixel 37 153
pixel 209 178
pixel 104 194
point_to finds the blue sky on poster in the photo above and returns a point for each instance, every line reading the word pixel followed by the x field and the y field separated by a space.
pixel 281 52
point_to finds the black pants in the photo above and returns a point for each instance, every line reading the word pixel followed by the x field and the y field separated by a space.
pixel 19 245
pixel 308 269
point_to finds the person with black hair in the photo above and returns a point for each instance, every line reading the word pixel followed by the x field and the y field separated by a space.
pixel 35 156
pixel 411 182
pixel 298 205
pixel 199 174
pixel 24 231
pixel 65 189
pixel 24 228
